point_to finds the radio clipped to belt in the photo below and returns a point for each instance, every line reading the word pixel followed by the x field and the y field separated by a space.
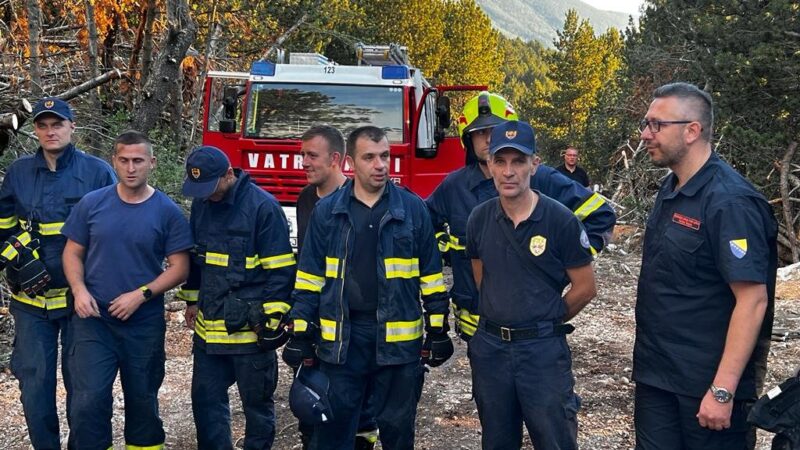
pixel 20 253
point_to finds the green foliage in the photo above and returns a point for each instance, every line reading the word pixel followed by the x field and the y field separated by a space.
pixel 582 71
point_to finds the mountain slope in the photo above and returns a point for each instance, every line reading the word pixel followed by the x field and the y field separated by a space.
pixel 539 19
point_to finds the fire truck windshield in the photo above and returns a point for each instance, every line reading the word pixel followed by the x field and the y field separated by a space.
pixel 286 110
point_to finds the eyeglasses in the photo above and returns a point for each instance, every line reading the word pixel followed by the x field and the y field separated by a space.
pixel 655 125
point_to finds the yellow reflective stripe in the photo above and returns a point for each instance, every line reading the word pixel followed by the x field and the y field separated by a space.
pixel 308 282
pixel 52 299
pixel 217 259
pixel 402 267
pixel 45 229
pixel 436 320
pixel 276 306
pixel 331 267
pixel 50 229
pixel 589 206
pixel 467 322
pixel 371 435
pixel 278 261
pixel 214 332
pixel 443 244
pixel 327 329
pixel 455 244
pixel 188 295
pixel 430 284
pixel 300 325
pixel 251 262
pixel 403 331
pixel 25 238
pixel 594 252
pixel 9 252
pixel 8 222
pixel 148 447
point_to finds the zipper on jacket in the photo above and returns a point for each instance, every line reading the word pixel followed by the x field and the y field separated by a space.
pixel 340 329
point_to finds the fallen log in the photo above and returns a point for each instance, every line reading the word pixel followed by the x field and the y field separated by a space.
pixel 9 121
pixel 90 84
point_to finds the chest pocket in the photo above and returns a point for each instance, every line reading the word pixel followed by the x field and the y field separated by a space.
pixel 402 243
pixel 682 251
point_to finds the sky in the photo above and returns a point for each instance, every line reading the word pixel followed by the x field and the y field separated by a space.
pixel 626 6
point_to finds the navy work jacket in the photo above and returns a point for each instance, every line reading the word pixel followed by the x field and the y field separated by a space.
pixel 35 198
pixel 409 266
pixel 242 259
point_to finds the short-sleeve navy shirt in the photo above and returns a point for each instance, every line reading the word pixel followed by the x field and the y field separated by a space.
pixel 126 244
pixel 715 230
pixel 511 294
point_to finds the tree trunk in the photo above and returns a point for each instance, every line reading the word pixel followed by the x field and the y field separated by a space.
pixel 211 45
pixel 94 99
pixel 34 31
pixel 179 35
pixel 786 164
pixel 147 45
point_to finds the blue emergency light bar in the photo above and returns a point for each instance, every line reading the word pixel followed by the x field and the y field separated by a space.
pixel 263 68
pixel 394 72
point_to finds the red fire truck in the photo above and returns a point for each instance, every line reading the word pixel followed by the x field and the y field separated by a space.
pixel 257 117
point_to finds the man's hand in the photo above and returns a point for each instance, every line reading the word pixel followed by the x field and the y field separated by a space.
pixel 713 414
pixel 436 349
pixel 85 304
pixel 126 304
pixel 190 315
pixel 298 351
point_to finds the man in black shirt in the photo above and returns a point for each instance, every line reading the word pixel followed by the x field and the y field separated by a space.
pixel 322 149
pixel 571 169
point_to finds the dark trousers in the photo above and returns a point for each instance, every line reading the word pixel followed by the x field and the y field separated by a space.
pixel 33 363
pixel 667 421
pixel 99 349
pixel 256 376
pixel 395 392
pixel 526 381
pixel 367 427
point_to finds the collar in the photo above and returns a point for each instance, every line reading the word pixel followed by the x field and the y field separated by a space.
pixel 536 215
pixel 396 211
pixel 475 176
pixel 62 162
pixel 698 180
pixel 242 178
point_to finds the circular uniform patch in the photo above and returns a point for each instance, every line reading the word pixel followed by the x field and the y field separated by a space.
pixel 538 245
pixel 584 239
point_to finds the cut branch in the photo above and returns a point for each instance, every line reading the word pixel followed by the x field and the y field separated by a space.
pixel 90 84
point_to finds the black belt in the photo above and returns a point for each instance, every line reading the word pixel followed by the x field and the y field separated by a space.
pixel 517 334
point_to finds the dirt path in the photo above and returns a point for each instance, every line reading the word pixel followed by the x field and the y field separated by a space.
pixel 447 418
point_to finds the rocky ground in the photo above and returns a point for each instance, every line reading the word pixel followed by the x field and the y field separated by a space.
pixel 447 419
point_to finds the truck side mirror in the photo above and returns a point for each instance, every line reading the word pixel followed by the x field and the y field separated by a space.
pixel 442 118
pixel 227 126
pixel 229 99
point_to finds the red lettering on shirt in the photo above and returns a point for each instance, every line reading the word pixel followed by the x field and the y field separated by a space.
pixel 688 222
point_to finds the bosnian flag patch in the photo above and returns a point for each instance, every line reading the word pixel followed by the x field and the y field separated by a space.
pixel 738 247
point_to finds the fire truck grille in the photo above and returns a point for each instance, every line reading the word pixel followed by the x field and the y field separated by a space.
pixel 284 187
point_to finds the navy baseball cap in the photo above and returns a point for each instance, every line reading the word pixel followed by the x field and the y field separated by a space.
pixel 204 167
pixel 54 106
pixel 513 134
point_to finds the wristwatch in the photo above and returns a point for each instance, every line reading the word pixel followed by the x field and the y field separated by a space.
pixel 146 293
pixel 720 394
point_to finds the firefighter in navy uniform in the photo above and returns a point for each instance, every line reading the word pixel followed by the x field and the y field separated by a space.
pixel 237 294
pixel 37 195
pixel 453 200
pixel 369 253
pixel 705 299
pixel 525 249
